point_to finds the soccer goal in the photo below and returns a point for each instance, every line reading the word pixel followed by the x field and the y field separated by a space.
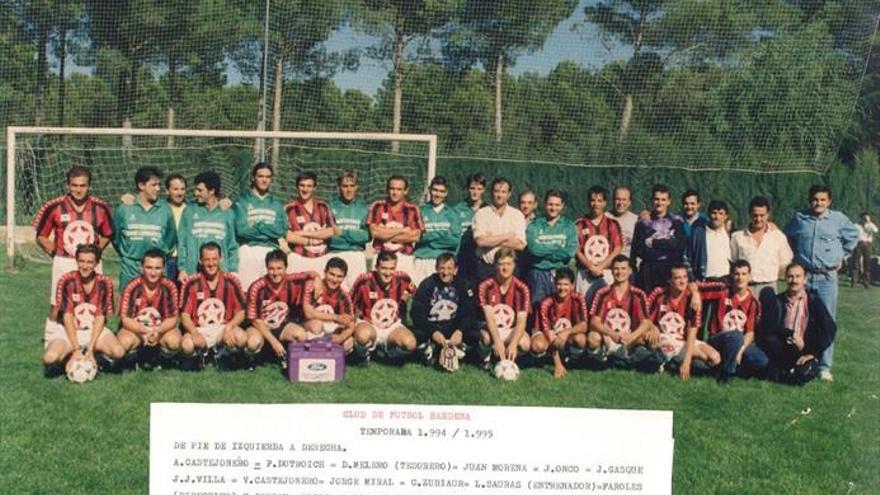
pixel 37 159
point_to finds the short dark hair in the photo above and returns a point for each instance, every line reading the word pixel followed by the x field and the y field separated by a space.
pixel 597 190
pixel 307 176
pixel 759 202
pixel 337 262
pixel 718 204
pixel 477 177
pixel 795 264
pixel 501 180
pixel 153 253
pixel 346 174
pixel 210 179
pixel 445 257
pixel 679 265
pixel 145 173
pixel 90 248
pixel 562 273
pixel 385 256
pixel 659 188
pixel 740 264
pixel 502 253
pixel 554 193
pixel 526 192
pixel 439 180
pixel 276 255
pixel 620 258
pixel 79 171
pixel 210 246
pixel 397 177
pixel 260 166
pixel 689 193
pixel 174 177
pixel 819 188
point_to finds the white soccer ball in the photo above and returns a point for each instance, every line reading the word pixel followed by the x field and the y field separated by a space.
pixel 506 370
pixel 82 370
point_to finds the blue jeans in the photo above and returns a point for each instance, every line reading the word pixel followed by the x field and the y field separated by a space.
pixel 754 361
pixel 825 287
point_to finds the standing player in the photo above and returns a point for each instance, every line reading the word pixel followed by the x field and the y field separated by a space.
pixel 175 195
pixel 505 301
pixel 672 312
pixel 694 223
pixel 350 215
pixel 148 312
pixel 212 308
pixel 442 231
pixel 260 225
pixel 599 241
pixel 310 227
pixel 552 242
pixel 203 222
pixel 476 186
pixel 659 241
pixel 562 322
pixel 396 224
pixel 764 246
pixel 144 225
pixel 84 300
pixel 528 205
pixel 497 226
pixel 328 309
pixel 380 297
pixel 622 198
pixel 444 314
pixel 718 257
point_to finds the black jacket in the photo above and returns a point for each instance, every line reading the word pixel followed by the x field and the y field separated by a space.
pixel 430 293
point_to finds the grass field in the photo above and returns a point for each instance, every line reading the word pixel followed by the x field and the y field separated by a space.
pixel 748 437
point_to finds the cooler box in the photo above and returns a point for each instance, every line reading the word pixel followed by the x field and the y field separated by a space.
pixel 316 361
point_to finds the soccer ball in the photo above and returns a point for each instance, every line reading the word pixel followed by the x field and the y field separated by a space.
pixel 506 370
pixel 82 370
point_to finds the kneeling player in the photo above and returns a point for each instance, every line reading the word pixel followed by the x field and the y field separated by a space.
pixel 83 300
pixel 443 314
pixel 211 309
pixel 670 310
pixel 380 296
pixel 148 311
pixel 505 301
pixel 328 310
pixel 619 326
pixel 562 322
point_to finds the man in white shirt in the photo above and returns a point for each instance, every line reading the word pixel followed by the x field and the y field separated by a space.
pixel 717 242
pixel 862 253
pixel 495 226
pixel 763 245
pixel 622 202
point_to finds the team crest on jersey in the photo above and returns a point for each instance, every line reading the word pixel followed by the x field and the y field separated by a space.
pixel 149 317
pixel 211 312
pixel 275 313
pixel 76 233
pixel 443 310
pixel 385 314
pixel 618 320
pixel 84 316
pixel 561 324
pixel 734 320
pixel 64 217
pixel 327 326
pixel 596 248
pixel 505 317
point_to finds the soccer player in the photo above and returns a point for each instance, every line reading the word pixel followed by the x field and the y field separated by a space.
pixel 528 205
pixel 562 322
pixel 144 225
pixel 395 224
pixel 599 241
pixel 497 226
pixel 328 308
pixel 694 223
pixel 717 255
pixel 380 298
pixel 275 306
pixel 622 198
pixel 476 186
pixel 350 215
pixel 506 302
pixel 620 328
pixel 820 238
pixel 260 225
pixel 73 219
pixel 659 241
pixel 797 328
pixel 552 242
pixel 175 195
pixel 204 222
pixel 149 311
pixel 212 308
pixel 444 314
pixel 84 300
pixel 764 246
pixel 310 227
pixel 442 231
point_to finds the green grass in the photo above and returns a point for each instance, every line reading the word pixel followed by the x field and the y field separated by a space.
pixel 741 438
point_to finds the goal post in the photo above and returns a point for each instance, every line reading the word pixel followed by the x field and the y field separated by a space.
pixel 14 136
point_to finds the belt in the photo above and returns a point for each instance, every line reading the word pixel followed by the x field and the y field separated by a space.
pixel 752 284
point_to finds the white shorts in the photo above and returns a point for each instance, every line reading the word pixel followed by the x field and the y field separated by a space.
pixel 297 263
pixel 251 264
pixel 55 331
pixel 422 269
pixel 357 265
pixel 504 333
pixel 62 265
pixel 405 263
pixel 382 335
pixel 213 334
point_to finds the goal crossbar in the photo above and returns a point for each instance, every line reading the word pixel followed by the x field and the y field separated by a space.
pixel 13 131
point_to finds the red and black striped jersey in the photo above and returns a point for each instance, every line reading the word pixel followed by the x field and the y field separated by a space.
pixel 300 218
pixel 73 227
pixel 517 296
pixel 267 302
pixel 732 312
pixel 660 304
pixel 338 300
pixel 633 302
pixel 197 297
pixel 573 309
pixel 608 229
pixel 406 214
pixel 367 290
pixel 149 309
pixel 71 296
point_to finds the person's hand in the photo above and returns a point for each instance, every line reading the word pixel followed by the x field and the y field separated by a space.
pixel 685 371
pixel 278 348
pixel 803 359
pixel 739 355
pixel 511 351
pixel 152 337
pixel 498 349
pixel 559 371
pixel 182 276
pixel 345 320
pixel 798 341
pixel 653 336
pixel 696 304
pixel 198 340
pixel 127 199
pixel 225 204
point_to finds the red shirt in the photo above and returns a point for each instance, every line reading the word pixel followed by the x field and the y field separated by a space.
pixel 300 219
pixel 150 310
pixel 406 214
pixel 633 305
pixel 602 239
pixel 732 311
pixel 71 297
pixel 277 305
pixel 71 227
pixel 573 308
pixel 517 296
pixel 663 310
pixel 367 290
pixel 208 306
pixel 339 301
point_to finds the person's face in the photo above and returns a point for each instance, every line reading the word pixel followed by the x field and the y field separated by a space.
pixel 78 187
pixel 597 204
pixel 263 180
pixel 386 271
pixel 276 270
pixel 504 268
pixel 621 272
pixel 176 192
pixel 202 193
pixel 553 207
pixel 397 191
pixel 563 287
pixel 348 189
pixel 438 194
pixel 150 189
pixel 153 269
pixel 622 201
pixel 741 277
pixel 333 278
pixel 820 202
pixel 306 189
pixel 718 218
pixel 678 280
pixel 690 206
pixel 210 259
pixel 500 194
pixel 85 264
pixel 446 271
pixel 527 204
pixel 866 218
pixel 475 192
pixel 796 279
pixel 661 202
pixel 760 216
